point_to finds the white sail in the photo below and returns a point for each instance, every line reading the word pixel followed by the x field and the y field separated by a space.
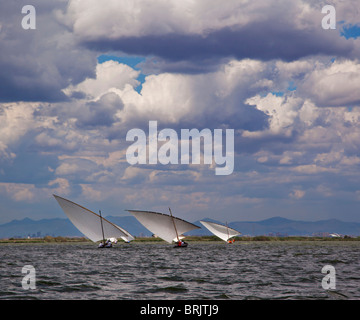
pixel 223 232
pixel 162 225
pixel 89 223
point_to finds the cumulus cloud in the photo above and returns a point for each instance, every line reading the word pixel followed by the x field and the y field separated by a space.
pixel 101 112
pixel 334 85
pixel 297 194
pixel 199 31
pixel 196 99
pixel 30 193
pixel 282 112
pixel 37 64
pixel 264 68
pixel 109 74
pixel 16 119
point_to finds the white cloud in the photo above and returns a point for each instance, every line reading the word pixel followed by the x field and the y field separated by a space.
pixel 169 97
pixel 18 191
pixel 30 193
pixel 81 140
pixel 282 112
pixel 90 193
pixel 62 186
pixel 297 194
pixel 110 19
pixel 16 120
pixel 312 169
pixel 334 85
pixel 92 19
pixel 67 168
pixel 109 74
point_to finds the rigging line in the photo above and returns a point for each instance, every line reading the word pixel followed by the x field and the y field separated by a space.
pixel 102 228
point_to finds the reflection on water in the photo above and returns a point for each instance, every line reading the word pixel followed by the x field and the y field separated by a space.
pixel 253 270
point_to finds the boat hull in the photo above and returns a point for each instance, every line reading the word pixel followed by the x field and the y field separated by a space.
pixel 183 245
pixel 101 246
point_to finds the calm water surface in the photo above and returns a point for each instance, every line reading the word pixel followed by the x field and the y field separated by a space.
pixel 254 270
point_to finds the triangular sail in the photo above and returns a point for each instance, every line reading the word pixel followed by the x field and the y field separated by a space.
pixel 221 231
pixel 89 222
pixel 162 225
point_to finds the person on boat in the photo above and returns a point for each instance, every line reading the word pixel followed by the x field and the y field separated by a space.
pixel 106 244
pixel 180 243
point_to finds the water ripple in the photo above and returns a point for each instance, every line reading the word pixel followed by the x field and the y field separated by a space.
pixel 249 271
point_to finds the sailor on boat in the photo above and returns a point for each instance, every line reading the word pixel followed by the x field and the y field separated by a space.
pixel 181 243
pixel 108 244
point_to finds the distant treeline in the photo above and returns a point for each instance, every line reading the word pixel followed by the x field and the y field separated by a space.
pixel 274 238
pixel 49 239
pixel 45 240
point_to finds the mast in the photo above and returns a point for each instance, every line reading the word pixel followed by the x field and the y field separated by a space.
pixel 174 225
pixel 227 229
pixel 102 228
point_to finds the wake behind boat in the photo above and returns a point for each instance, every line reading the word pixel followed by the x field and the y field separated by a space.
pixel 223 232
pixel 92 225
pixel 167 227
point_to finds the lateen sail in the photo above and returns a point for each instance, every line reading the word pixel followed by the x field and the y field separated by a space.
pixel 88 222
pixel 162 225
pixel 223 232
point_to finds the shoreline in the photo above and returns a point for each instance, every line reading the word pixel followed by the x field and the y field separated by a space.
pixel 49 239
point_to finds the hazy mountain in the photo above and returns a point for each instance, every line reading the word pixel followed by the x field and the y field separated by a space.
pixel 274 226
pixel 38 228
pixel 282 226
pixel 62 227
pixel 297 228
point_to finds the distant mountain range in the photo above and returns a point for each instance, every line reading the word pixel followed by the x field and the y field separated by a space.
pixel 276 226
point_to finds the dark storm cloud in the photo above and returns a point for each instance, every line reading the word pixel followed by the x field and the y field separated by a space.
pixel 99 113
pixel 36 64
pixel 264 41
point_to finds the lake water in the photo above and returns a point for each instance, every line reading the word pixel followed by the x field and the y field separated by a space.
pixel 139 271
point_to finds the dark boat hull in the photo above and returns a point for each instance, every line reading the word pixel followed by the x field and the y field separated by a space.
pixel 183 245
pixel 106 246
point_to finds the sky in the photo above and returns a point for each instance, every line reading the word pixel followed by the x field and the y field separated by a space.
pixel 90 71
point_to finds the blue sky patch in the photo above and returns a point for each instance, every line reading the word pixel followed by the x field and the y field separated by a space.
pixel 292 86
pixel 131 61
pixel 277 93
pixel 350 31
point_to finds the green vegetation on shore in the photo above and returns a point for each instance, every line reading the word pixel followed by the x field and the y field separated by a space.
pixel 46 239
pixel 272 238
pixel 49 239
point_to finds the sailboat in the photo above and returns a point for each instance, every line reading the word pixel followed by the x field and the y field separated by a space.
pixel 223 232
pixel 166 227
pixel 93 225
